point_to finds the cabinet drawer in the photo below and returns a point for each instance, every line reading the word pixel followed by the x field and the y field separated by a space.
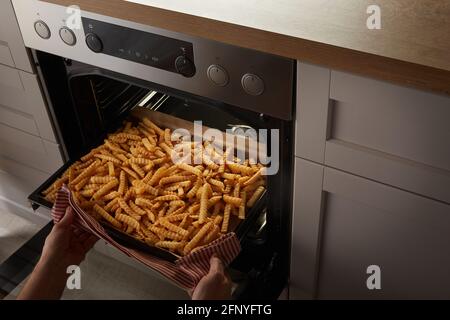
pixel 388 133
pixel 5 54
pixel 29 150
pixel 21 97
pixel 12 48
pixel 343 223
pixel 399 121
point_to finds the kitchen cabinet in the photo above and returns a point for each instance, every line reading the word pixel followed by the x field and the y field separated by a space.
pixel 12 49
pixel 388 133
pixel 22 105
pixel 343 224
pixel 29 151
pixel 372 187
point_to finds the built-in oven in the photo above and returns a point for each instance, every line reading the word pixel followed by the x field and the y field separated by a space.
pixel 96 69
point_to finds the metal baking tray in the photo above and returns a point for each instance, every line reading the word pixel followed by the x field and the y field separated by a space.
pixel 37 199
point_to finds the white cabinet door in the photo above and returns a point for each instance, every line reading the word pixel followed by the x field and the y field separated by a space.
pixel 22 105
pixel 388 133
pixel 344 224
pixel 12 48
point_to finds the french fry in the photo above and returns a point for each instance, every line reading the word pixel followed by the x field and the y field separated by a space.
pixel 84 165
pixel 111 170
pixel 172 179
pixel 242 206
pixel 192 193
pixel 108 158
pixel 254 178
pixel 107 216
pixel 137 209
pixel 226 218
pixel 189 168
pixel 85 193
pixel 85 173
pixel 150 236
pixel 167 198
pixel 232 200
pixel 143 202
pixel 149 145
pixel 122 182
pixel 130 172
pixel 101 180
pixel 258 192
pixel 235 167
pixel 217 183
pixel 197 238
pixel 153 126
pixel 138 170
pixel 171 227
pixel 157 176
pixel 114 148
pixel 165 234
pixel 123 204
pixel 105 189
pixel 204 203
pixel 254 186
pixel 111 204
pixel 212 234
pixel 80 185
pixel 168 137
pixel 111 196
pixel 128 220
pixel 171 245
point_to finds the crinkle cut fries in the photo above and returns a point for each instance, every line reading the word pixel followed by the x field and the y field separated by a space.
pixel 132 183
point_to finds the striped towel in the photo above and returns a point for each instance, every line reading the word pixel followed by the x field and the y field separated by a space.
pixel 186 272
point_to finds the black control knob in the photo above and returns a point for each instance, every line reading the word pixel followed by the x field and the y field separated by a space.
pixel 94 42
pixel 185 67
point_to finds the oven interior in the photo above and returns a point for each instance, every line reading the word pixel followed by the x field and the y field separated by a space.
pixel 88 102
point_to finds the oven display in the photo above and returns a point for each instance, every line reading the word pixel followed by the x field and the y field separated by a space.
pixel 142 47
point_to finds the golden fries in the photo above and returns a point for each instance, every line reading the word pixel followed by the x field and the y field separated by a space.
pixel 131 183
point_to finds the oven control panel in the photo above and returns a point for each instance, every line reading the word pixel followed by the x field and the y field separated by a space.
pixel 228 74
pixel 142 47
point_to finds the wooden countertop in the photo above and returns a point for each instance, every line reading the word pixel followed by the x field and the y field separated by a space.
pixel 411 48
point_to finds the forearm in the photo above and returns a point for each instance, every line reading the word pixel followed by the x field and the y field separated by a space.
pixel 46 282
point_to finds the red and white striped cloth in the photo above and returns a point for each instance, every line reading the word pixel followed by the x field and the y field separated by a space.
pixel 186 272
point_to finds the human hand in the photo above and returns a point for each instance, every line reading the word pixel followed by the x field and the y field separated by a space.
pixel 67 245
pixel 215 285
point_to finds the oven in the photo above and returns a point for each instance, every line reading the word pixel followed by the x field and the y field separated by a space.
pixel 95 70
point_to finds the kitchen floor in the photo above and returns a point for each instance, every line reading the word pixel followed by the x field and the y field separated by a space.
pixel 102 277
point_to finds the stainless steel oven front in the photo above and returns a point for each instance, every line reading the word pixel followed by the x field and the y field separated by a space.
pixel 95 69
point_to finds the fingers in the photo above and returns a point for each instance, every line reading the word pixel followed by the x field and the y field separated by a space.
pixel 67 219
pixel 216 265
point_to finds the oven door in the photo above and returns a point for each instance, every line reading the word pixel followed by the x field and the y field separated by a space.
pixel 87 102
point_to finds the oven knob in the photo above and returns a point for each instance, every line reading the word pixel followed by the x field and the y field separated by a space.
pixel 218 75
pixel 94 42
pixel 252 84
pixel 185 67
pixel 67 36
pixel 42 29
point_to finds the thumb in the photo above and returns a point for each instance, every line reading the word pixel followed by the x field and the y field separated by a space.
pixel 216 265
pixel 67 219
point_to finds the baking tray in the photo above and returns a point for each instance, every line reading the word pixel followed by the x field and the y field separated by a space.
pixel 164 120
